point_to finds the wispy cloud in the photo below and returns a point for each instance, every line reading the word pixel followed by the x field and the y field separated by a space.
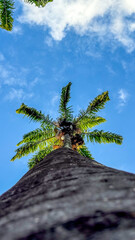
pixel 54 99
pixel 11 77
pixel 108 20
pixel 17 94
pixel 3 72
pixel 15 81
pixel 34 82
pixel 49 41
pixel 16 30
pixel 123 96
pixel 110 69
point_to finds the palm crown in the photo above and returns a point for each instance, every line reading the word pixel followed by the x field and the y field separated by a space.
pixel 6 11
pixel 67 131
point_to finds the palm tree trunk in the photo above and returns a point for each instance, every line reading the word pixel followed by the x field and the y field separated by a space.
pixel 67 141
pixel 68 196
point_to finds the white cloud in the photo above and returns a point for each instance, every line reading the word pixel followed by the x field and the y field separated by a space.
pixel 123 95
pixel 4 73
pixel 110 69
pixel 109 19
pixel 15 82
pixel 11 77
pixel 54 99
pixel 123 98
pixel 17 94
pixel 100 90
pixel 34 82
pixel 49 41
pixel 16 30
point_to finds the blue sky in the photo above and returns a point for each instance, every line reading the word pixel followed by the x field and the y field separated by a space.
pixel 92 45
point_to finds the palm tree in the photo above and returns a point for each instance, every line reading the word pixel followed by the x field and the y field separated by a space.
pixel 6 11
pixel 67 131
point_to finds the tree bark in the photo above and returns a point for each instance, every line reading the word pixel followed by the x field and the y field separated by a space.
pixel 67 141
pixel 69 197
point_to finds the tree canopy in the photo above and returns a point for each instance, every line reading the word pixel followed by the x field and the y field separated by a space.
pixel 6 11
pixel 52 134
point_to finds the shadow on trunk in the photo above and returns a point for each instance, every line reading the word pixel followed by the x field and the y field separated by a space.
pixel 68 196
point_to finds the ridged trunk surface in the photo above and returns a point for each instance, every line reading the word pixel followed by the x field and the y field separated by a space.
pixel 69 197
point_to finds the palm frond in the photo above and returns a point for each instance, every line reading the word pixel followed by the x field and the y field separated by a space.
pixel 90 122
pixel 51 135
pixel 39 3
pixel 6 12
pixel 25 150
pixel 37 135
pixel 39 156
pixel 85 152
pixel 103 137
pixel 97 104
pixel 30 147
pixel 65 112
pixel 35 115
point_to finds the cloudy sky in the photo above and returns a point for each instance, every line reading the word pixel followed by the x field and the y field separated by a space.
pixel 91 44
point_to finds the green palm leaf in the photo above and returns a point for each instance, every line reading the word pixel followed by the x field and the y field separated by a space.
pixel 103 137
pixel 35 115
pixel 39 3
pixel 90 122
pixel 65 112
pixel 30 147
pixel 97 104
pixel 26 149
pixel 6 12
pixel 85 152
pixel 39 156
pixel 51 135
pixel 37 135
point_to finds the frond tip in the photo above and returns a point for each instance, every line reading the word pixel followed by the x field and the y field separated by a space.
pixel 90 122
pixel 25 149
pixel 97 104
pixel 32 113
pixel 65 112
pixel 6 12
pixel 35 115
pixel 39 3
pixel 103 137
pixel 83 150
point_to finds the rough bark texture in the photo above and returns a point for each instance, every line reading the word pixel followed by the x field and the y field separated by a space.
pixel 69 197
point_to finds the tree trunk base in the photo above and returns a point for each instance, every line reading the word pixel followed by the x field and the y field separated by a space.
pixel 69 197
